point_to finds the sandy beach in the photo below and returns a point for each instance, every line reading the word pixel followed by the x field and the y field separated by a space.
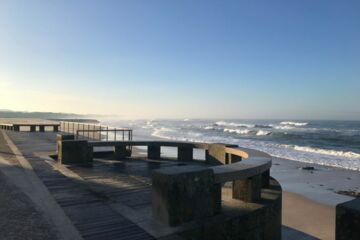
pixel 309 196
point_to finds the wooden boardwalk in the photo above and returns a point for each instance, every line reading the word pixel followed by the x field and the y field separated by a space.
pixel 88 204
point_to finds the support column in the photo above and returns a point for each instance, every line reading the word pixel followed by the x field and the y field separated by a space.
pixel 120 152
pixel 154 152
pixel 248 190
pixel 265 179
pixel 185 153
pixel 56 128
pixel 75 152
pixel 182 194
pixel 33 128
pixel 42 128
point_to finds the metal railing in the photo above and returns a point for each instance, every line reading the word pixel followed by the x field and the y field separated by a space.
pixel 96 132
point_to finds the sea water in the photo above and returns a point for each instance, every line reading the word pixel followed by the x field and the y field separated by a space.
pixel 330 143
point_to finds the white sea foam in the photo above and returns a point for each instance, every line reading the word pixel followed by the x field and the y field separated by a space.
pixel 208 127
pixel 238 131
pixel 232 124
pixel 263 133
pixel 284 127
pixel 328 152
pixel 294 123
pixel 162 132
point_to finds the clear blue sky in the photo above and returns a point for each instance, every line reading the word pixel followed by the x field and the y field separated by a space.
pixel 182 59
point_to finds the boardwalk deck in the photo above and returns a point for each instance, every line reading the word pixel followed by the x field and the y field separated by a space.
pixel 87 203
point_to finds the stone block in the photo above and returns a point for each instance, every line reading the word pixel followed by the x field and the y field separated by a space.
pixel 265 179
pixel 348 220
pixel 60 137
pixel 183 193
pixel 248 190
pixel 153 152
pixel 120 152
pixel 74 152
pixel 185 153
pixel 215 155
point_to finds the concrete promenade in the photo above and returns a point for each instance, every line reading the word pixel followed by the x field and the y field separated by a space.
pixel 111 200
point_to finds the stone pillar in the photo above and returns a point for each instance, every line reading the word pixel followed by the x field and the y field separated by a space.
pixel 348 220
pixel 32 128
pixel 56 128
pixel 17 128
pixel 183 193
pixel 42 128
pixel 248 190
pixel 61 137
pixel 120 152
pixel 154 152
pixel 265 179
pixel 185 153
pixel 215 155
pixel 75 152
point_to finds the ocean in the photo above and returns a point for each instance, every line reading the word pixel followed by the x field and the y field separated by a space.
pixel 330 143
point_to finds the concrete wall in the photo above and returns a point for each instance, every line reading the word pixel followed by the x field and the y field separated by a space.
pixel 244 221
pixel 348 220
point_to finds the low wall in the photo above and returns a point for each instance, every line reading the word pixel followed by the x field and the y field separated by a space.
pixel 348 220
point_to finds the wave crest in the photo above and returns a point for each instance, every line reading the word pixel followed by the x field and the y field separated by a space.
pixel 232 124
pixel 294 123
pixel 331 152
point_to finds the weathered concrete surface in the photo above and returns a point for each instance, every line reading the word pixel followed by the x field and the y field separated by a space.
pixel 154 152
pixel 185 153
pixel 243 221
pixel 348 220
pixel 181 194
pixel 19 218
pixel 74 152
pixel 215 155
pixel 31 194
pixel 120 152
pixel 248 190
pixel 83 201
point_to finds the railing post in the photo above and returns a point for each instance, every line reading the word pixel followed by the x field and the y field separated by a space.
pixel 32 128
pixel 107 133
pixel 248 190
pixel 185 153
pixel 154 152
pixel 265 179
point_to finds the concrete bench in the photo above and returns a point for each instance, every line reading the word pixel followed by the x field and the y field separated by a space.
pixel 183 194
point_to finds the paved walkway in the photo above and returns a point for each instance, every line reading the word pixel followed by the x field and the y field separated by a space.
pixel 87 209
pixel 111 200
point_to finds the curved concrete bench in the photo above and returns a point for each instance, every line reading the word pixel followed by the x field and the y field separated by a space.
pixel 190 192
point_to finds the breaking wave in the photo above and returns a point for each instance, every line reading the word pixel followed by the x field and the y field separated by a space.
pixel 232 124
pixel 294 123
pixel 331 152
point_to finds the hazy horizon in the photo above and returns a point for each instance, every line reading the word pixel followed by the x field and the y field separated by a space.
pixel 296 60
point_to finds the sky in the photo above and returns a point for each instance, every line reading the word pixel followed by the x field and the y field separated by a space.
pixel 182 59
